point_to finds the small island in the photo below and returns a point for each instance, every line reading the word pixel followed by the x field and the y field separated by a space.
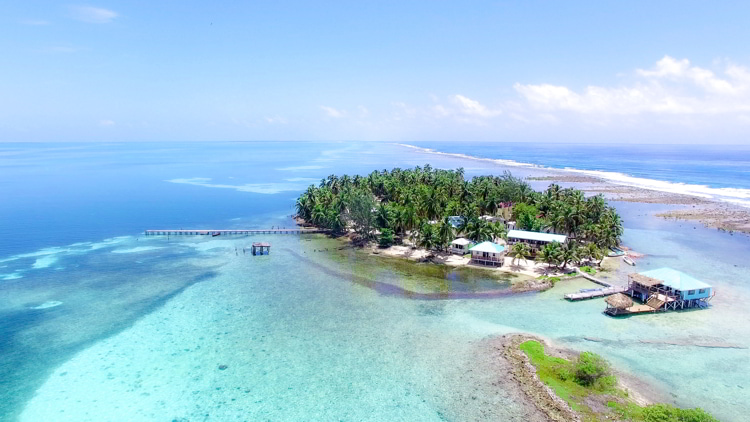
pixel 437 215
pixel 498 222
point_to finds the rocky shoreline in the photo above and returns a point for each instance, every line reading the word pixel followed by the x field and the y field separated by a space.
pixel 518 373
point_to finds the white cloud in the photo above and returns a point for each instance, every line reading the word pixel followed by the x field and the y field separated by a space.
pixel 670 87
pixel 93 14
pixel 332 112
pixel 674 69
pixel 473 108
pixel 106 123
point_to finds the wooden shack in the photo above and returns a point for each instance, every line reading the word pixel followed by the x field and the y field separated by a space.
pixel 258 248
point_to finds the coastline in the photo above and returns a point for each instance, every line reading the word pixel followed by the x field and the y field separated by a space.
pixel 526 276
pixel 522 375
pixel 712 212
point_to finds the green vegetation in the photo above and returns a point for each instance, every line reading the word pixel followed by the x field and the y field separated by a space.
pixel 386 238
pixel 417 204
pixel 659 413
pixel 588 269
pixel 593 370
pixel 552 280
pixel 589 379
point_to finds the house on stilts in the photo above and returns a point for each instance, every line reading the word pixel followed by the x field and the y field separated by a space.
pixel 661 289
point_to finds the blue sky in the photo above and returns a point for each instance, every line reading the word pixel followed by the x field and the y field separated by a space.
pixel 671 72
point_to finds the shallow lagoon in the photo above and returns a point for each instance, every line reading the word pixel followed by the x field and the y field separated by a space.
pixel 141 335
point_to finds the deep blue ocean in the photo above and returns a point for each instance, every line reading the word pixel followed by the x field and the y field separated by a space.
pixel 717 166
pixel 100 323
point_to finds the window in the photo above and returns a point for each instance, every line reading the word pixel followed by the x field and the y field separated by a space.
pixel 691 292
pixel 702 291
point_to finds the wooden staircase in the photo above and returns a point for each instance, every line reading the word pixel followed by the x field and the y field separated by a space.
pixel 655 302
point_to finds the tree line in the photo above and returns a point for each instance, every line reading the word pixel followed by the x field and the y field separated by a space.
pixel 423 204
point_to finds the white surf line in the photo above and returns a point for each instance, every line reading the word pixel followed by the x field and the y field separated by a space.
pixel 737 196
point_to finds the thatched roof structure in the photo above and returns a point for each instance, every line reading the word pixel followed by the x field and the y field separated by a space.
pixel 644 280
pixel 619 301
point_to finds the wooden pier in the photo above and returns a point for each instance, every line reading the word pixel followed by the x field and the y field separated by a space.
pixel 181 232
pixel 608 289
pixel 594 293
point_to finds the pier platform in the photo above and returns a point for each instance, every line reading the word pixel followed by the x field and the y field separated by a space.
pixel 594 293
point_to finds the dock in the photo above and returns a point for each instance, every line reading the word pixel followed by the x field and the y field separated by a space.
pixel 608 289
pixel 241 232
pixel 630 310
pixel 594 293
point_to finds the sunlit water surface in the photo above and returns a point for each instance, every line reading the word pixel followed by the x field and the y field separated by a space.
pixel 101 323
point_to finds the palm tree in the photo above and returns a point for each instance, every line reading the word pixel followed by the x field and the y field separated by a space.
pixel 427 236
pixel 445 232
pixel 570 253
pixel 478 230
pixel 592 251
pixel 409 217
pixel 551 254
pixel 520 251
pixel 383 216
pixel 319 216
pixel 498 230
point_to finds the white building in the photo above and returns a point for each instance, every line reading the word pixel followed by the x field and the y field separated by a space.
pixel 460 246
pixel 535 240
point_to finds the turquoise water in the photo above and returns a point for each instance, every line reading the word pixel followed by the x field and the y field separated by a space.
pixel 99 323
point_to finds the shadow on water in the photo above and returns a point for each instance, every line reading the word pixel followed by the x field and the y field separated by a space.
pixel 33 342
pixel 387 289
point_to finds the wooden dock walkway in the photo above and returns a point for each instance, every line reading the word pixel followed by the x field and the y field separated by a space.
pixel 189 232
pixel 590 277
pixel 591 294
pixel 608 289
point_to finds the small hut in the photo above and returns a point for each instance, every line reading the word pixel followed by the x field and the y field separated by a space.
pixel 460 246
pixel 618 303
pixel 259 246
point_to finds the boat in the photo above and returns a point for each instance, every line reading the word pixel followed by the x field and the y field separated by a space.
pixel 615 252
pixel 214 234
pixel 628 260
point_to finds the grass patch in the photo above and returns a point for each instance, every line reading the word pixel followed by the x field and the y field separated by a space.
pixel 659 413
pixel 588 269
pixel 552 280
pixel 557 373
pixel 573 382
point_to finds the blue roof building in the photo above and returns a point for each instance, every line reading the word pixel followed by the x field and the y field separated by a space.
pixel 680 284
pixel 488 253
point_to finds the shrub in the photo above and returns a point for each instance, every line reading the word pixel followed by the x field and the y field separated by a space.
pixel 605 383
pixel 590 367
pixel 386 238
pixel 588 269
pixel 667 413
